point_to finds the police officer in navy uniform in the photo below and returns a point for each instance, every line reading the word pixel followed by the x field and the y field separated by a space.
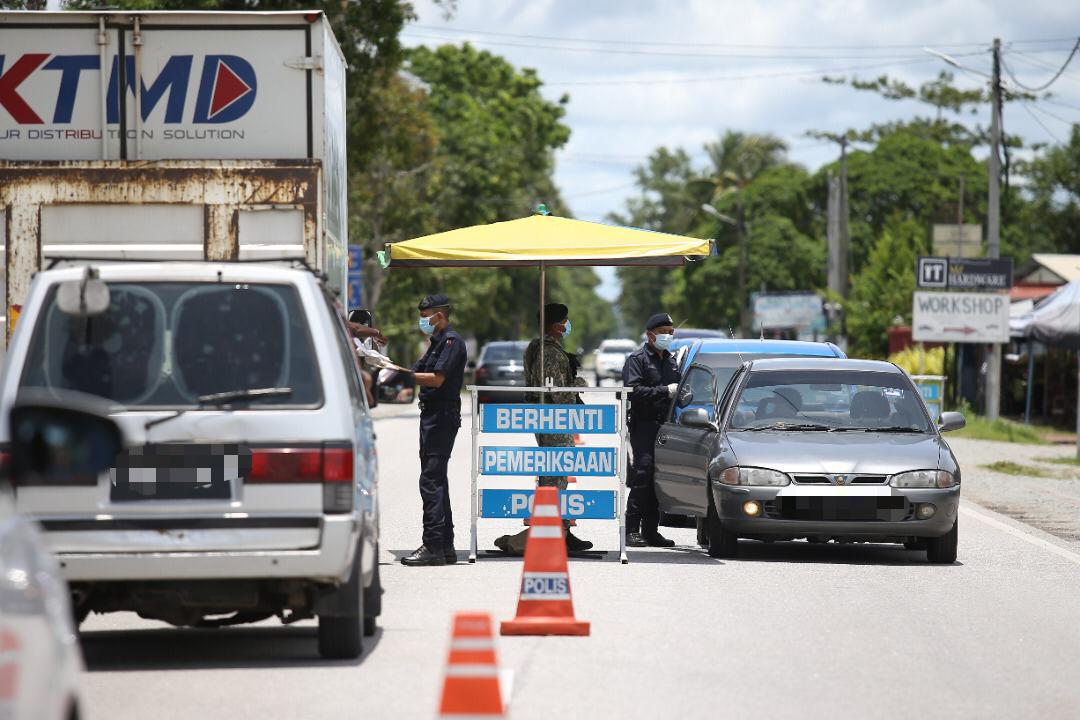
pixel 439 373
pixel 652 373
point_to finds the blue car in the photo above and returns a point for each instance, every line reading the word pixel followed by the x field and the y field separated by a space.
pixel 706 366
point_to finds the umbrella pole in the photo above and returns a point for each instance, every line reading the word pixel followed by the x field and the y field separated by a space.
pixel 543 276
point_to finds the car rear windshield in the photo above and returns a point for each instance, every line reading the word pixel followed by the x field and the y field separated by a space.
pixel 829 399
pixel 618 347
pixel 167 344
pixel 504 352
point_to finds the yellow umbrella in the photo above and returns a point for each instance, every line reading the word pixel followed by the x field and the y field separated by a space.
pixel 544 240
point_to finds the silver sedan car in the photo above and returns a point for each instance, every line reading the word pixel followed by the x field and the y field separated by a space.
pixel 815 448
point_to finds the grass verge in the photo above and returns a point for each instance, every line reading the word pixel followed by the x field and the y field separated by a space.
pixel 1060 460
pixel 1002 430
pixel 1010 468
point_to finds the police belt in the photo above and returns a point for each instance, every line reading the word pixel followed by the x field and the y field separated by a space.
pixel 439 404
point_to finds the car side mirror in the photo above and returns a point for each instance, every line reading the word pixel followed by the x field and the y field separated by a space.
pixel 86 297
pixel 696 418
pixel 951 421
pixel 52 444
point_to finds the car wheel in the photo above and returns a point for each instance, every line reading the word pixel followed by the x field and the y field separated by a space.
pixel 942 550
pixel 340 635
pixel 722 542
pixel 373 600
pixel 702 532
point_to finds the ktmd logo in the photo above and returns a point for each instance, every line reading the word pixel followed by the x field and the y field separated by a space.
pixel 226 89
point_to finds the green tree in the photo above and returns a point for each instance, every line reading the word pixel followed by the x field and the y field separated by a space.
pixel 666 203
pixel 1048 223
pixel 883 289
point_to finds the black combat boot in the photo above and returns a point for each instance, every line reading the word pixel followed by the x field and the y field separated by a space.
pixel 450 554
pixel 424 556
pixel 576 544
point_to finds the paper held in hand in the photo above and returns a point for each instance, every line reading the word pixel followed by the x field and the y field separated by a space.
pixel 375 357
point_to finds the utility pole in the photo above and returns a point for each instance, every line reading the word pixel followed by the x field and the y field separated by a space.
pixel 993 227
pixel 740 235
pixel 837 231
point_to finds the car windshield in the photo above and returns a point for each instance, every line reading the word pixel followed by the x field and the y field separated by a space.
pixel 504 352
pixel 168 344
pixel 836 400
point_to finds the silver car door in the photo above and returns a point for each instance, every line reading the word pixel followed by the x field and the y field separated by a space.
pixel 682 453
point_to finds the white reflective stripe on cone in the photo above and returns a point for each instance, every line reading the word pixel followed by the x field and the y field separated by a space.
pixel 546 511
pixel 467 670
pixel 545 532
pixel 472 644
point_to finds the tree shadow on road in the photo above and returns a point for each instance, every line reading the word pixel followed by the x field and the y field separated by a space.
pixel 217 648
pixel 834 554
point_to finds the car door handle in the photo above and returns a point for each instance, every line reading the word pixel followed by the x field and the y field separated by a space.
pixel 661 439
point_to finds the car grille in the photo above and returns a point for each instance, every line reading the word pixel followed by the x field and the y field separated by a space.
pixel 826 480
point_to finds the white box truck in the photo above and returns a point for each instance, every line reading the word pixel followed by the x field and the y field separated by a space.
pixel 170 136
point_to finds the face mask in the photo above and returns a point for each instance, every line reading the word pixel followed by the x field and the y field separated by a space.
pixel 566 330
pixel 425 326
pixel 663 341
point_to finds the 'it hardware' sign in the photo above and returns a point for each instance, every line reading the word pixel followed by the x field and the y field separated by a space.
pixel 941 273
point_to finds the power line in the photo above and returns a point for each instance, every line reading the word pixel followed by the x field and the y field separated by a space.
pixel 1024 104
pixel 742 46
pixel 1041 64
pixel 727 78
pixel 1057 117
pixel 657 53
pixel 1053 79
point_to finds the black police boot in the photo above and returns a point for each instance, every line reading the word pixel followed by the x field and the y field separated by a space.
pixel 450 554
pixel 424 556
pixel 655 539
pixel 634 539
pixel 576 544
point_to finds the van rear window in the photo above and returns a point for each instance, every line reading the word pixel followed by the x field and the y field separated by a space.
pixel 168 344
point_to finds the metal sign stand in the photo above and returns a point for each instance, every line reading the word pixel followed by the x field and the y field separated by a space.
pixel 620 424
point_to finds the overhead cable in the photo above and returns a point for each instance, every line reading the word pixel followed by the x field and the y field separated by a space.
pixel 1053 79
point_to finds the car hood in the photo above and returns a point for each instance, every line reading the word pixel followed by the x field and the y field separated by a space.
pixel 837 452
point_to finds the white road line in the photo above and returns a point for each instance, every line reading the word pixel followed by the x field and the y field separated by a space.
pixel 1027 537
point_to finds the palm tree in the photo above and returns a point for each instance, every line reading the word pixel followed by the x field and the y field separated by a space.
pixel 737 159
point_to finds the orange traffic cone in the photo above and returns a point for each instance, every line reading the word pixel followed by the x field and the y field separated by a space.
pixel 471 686
pixel 544 605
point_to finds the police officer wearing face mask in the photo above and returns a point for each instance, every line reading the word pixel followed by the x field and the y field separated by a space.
pixel 652 373
pixel 439 373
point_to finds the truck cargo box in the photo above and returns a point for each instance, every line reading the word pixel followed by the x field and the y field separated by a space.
pixel 227 143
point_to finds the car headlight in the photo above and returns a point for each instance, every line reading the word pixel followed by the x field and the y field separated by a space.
pixel 923 479
pixel 753 476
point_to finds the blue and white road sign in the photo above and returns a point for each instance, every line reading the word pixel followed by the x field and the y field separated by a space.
pixel 575 504
pixel 356 277
pixel 548 461
pixel 548 419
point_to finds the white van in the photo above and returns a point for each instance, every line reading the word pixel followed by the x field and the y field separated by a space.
pixel 251 490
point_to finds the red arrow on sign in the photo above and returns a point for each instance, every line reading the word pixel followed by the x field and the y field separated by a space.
pixel 965 330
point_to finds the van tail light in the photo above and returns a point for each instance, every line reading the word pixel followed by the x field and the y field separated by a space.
pixel 331 465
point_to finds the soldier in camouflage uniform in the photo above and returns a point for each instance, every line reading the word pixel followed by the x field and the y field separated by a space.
pixel 561 368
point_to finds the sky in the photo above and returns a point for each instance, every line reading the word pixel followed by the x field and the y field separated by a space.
pixel 648 73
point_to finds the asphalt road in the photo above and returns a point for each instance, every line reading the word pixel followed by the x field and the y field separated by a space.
pixel 790 630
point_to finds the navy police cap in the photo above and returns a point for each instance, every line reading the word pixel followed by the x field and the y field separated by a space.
pixel 434 301
pixel 658 320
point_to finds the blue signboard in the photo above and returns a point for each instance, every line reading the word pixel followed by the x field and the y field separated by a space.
pixel 548 461
pixel 930 392
pixel 356 277
pixel 548 419
pixel 575 504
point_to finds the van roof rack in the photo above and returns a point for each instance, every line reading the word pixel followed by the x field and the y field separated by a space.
pixel 296 262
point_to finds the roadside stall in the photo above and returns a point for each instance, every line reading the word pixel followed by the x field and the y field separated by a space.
pixel 544 241
pixel 1056 323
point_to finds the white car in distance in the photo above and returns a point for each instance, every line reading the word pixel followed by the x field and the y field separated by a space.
pixel 610 358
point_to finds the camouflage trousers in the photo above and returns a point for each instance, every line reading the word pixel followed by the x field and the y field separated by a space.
pixel 553 441
pixel 516 543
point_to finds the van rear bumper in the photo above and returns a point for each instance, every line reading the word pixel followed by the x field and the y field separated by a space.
pixel 330 561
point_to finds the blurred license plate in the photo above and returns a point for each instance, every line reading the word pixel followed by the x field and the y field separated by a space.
pixel 881 507
pixel 176 472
